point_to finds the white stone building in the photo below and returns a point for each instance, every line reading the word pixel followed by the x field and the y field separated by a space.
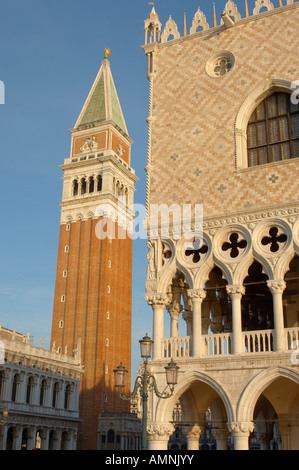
pixel 119 431
pixel 223 129
pixel 40 389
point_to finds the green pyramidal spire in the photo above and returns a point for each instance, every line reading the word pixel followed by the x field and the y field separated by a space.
pixel 102 103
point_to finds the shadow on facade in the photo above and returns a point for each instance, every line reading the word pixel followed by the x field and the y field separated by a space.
pixel 106 421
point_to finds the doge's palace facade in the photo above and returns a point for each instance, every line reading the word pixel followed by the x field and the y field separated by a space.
pixel 223 134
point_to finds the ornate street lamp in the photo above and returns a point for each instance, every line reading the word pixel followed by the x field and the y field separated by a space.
pixel 146 382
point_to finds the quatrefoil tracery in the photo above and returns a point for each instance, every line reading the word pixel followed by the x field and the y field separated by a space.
pixel 196 250
pixel 274 240
pixel 234 245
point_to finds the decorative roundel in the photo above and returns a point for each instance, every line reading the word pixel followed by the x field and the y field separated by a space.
pixel 220 64
pixel 232 243
pixel 271 238
pixel 196 250
pixel 296 235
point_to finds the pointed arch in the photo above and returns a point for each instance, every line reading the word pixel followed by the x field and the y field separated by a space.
pixel 169 273
pixel 250 103
pixel 251 393
pixel 164 408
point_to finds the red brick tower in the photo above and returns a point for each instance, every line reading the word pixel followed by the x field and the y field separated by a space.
pixel 94 268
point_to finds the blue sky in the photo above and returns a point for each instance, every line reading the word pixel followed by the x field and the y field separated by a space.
pixel 50 53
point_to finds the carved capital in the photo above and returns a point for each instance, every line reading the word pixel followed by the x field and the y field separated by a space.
pixel 192 433
pixel 235 292
pixel 197 295
pixel 160 432
pixel 243 428
pixel 222 434
pixel 276 287
pixel 157 300
pixel 174 309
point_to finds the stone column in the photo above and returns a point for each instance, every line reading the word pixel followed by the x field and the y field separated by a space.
pixel 187 316
pixel 288 428
pixel 17 438
pixel 44 436
pixel 57 440
pixel 158 303
pixel 264 440
pixel 240 433
pixel 21 388
pixel 197 296
pixel 31 441
pixel 158 436
pixel 235 293
pixel 3 436
pixel 277 288
pixel 6 385
pixel 66 440
pixel 192 434
pixel 221 436
pixel 174 310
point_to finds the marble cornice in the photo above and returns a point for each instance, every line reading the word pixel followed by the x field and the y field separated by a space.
pixel 249 218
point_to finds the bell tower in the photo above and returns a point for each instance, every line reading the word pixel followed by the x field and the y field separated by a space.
pixel 92 302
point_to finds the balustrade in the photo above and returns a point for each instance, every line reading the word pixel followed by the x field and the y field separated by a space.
pixel 217 344
pixel 176 347
pixel 292 338
pixel 258 342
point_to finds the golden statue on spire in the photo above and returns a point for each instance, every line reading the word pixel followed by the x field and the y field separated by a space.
pixel 107 52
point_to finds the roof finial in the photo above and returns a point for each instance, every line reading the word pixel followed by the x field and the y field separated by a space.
pixel 185 25
pixel 246 9
pixel 214 16
pixel 107 52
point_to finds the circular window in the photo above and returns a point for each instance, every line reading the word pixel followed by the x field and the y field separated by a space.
pixel 220 64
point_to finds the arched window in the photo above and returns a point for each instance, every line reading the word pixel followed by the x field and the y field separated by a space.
pixel 91 184
pixel 273 130
pixel 42 392
pixel 55 394
pixel 111 436
pixel 30 385
pixel 83 186
pixel 15 384
pixel 67 394
pixel 75 188
pixel 99 182
pixel 2 378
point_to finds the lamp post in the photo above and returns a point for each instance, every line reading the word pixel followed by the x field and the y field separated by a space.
pixel 145 382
